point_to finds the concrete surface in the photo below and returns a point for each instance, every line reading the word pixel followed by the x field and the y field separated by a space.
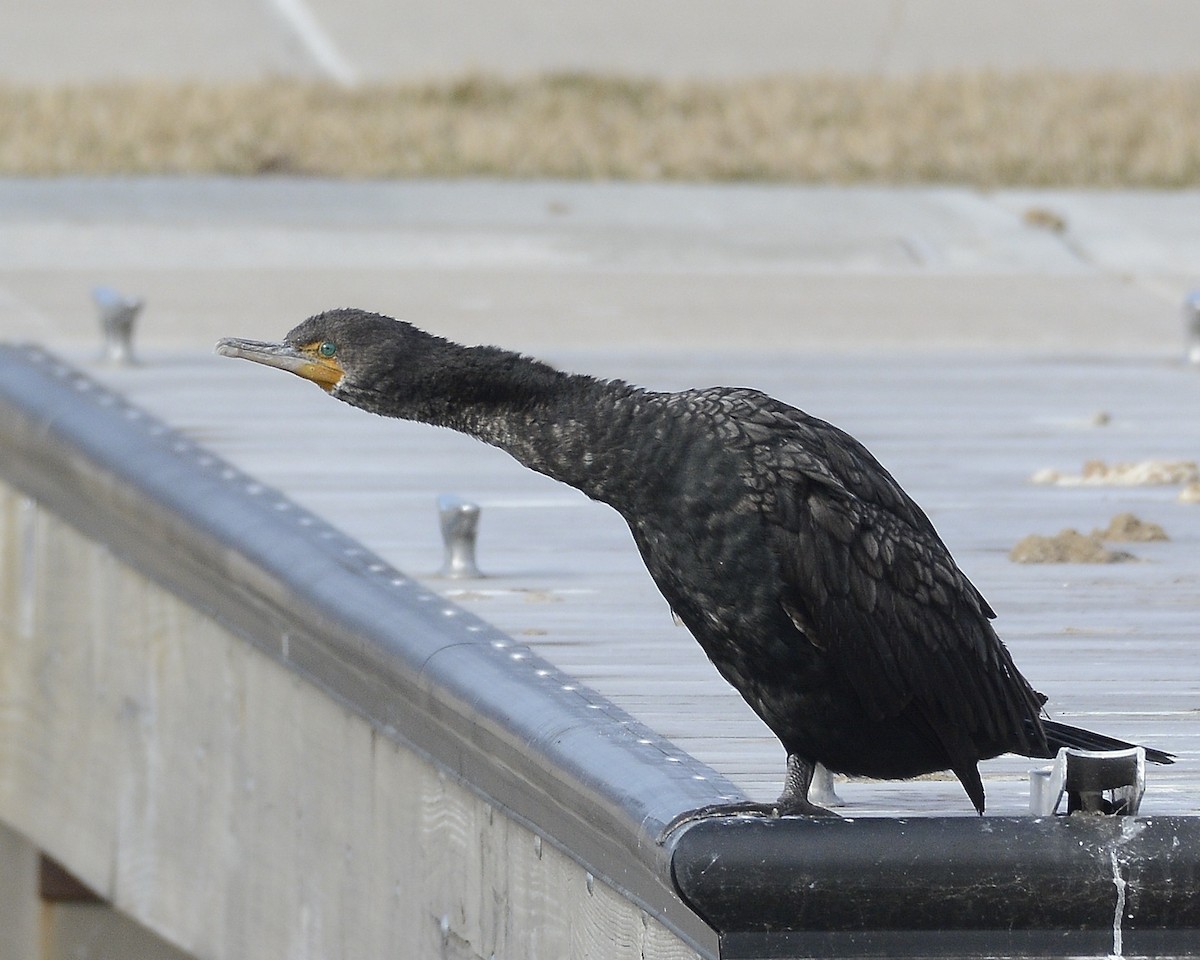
pixel 549 264
pixel 362 40
pixel 640 267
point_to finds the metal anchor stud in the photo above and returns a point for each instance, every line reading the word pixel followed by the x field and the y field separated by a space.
pixel 460 524
pixel 117 315
pixel 1191 326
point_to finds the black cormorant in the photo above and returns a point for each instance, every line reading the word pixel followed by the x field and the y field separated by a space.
pixel 814 583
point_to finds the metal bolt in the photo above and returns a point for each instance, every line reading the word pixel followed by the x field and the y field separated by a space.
pixel 460 523
pixel 1191 326
pixel 117 315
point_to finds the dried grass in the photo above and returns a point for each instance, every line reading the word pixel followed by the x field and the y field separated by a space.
pixel 980 129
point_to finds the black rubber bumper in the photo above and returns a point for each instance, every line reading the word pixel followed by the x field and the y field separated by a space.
pixel 945 886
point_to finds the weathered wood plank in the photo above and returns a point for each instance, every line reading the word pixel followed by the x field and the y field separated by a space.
pixel 235 809
pixel 19 906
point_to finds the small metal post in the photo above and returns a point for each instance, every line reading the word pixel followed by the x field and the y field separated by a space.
pixel 460 524
pixel 1191 326
pixel 117 315
pixel 821 791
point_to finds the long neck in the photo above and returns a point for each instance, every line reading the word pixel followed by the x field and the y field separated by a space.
pixel 576 433
pixel 576 429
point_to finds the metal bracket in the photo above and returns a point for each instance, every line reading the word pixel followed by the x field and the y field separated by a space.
pixel 1093 781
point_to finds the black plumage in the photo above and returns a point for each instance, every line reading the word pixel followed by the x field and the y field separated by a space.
pixel 814 583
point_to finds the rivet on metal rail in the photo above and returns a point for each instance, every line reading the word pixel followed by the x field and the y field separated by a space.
pixel 117 315
pixel 460 524
pixel 1093 781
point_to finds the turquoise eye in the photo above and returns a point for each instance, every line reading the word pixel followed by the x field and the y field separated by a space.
pixel 327 349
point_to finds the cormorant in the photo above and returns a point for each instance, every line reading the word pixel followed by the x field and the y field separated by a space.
pixel 814 583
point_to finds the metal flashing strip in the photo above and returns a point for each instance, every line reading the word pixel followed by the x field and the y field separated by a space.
pixel 552 754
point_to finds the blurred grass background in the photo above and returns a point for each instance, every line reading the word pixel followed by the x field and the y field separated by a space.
pixel 1033 129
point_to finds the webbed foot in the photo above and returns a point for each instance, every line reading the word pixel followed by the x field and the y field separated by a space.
pixel 793 802
pixel 749 808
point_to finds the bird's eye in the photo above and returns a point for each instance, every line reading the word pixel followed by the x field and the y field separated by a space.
pixel 327 349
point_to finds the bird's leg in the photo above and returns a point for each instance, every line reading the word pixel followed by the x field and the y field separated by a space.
pixel 794 799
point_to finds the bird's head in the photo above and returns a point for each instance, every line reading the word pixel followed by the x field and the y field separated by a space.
pixel 339 350
pixel 392 368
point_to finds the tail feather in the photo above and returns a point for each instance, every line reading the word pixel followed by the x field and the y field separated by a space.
pixel 1063 735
